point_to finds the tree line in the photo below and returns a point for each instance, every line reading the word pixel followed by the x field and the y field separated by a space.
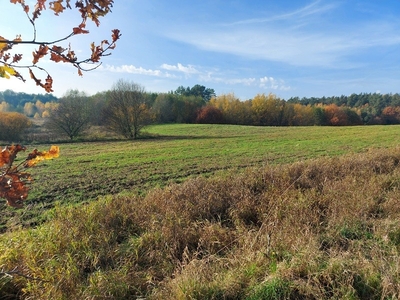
pixel 127 108
pixel 16 101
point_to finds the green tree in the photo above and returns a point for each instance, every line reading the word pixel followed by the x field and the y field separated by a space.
pixel 175 108
pixel 72 115
pixel 198 91
pixel 165 108
pixel 126 111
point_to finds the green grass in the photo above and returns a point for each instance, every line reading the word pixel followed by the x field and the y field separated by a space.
pixel 267 223
pixel 174 153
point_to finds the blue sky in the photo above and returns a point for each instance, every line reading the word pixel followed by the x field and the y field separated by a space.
pixel 288 48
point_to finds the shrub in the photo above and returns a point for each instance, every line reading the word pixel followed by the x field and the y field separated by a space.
pixel 209 115
pixel 12 126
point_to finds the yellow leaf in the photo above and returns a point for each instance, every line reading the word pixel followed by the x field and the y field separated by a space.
pixel 6 72
pixel 3 45
pixel 57 7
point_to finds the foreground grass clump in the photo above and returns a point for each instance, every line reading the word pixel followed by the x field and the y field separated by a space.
pixel 321 229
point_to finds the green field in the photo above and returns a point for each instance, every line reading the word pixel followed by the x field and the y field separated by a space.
pixel 173 153
pixel 176 152
pixel 211 212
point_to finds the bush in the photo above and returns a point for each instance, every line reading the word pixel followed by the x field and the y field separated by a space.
pixel 209 115
pixel 12 125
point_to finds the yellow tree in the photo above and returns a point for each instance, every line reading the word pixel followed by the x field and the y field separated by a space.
pixel 267 110
pixel 4 106
pixel 11 62
pixel 234 110
pixel 303 115
pixel 29 109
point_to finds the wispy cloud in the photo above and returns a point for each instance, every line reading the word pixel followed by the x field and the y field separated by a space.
pixel 318 42
pixel 266 82
pixel 311 9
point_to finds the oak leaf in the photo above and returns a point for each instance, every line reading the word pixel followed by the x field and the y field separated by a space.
pixel 78 30
pixel 39 53
pixel 6 71
pixel 3 44
pixel 57 7
pixel 40 5
pixel 35 156
pixel 47 86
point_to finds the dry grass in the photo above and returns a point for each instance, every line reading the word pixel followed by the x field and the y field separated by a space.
pixel 321 229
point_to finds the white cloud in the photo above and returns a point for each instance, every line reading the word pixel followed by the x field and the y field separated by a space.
pixel 272 83
pixel 137 70
pixel 202 75
pixel 134 70
pixel 180 68
pixel 242 81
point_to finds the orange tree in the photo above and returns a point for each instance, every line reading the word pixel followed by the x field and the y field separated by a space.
pixel 12 62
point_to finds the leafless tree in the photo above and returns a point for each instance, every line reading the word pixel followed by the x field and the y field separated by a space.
pixel 72 115
pixel 126 111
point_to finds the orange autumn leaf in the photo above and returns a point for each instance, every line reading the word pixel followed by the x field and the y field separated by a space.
pixel 115 35
pixel 47 86
pixel 4 157
pixel 35 156
pixel 57 7
pixel 9 153
pixel 58 58
pixel 39 53
pixel 3 44
pixel 78 30
pixel 14 188
pixel 41 4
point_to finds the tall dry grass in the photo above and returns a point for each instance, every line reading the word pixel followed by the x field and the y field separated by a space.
pixel 319 229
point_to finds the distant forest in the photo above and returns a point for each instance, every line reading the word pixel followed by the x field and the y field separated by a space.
pixel 200 105
pixel 375 100
pixel 19 99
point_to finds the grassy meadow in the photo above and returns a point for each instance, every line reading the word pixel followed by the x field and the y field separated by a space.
pixel 174 153
pixel 211 212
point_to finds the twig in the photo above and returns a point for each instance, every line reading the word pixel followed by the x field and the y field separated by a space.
pixel 14 272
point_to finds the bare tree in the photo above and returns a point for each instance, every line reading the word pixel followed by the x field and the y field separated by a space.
pixel 72 115
pixel 126 111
